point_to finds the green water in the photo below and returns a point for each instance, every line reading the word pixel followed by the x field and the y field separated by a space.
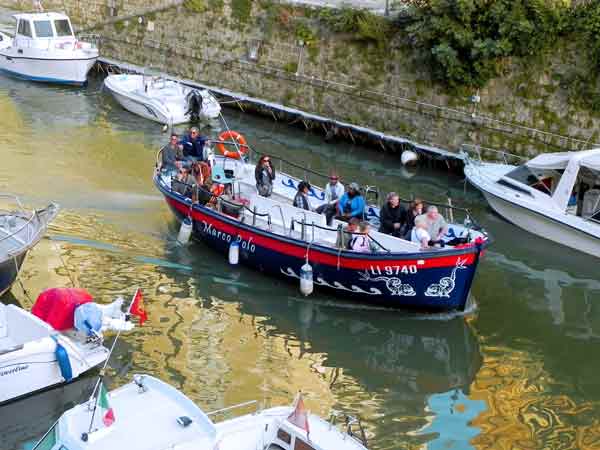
pixel 519 372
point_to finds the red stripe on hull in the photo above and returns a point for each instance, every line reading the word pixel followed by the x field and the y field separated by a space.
pixel 299 251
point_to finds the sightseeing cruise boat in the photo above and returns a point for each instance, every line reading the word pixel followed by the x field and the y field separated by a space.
pixel 60 339
pixel 20 231
pixel 148 414
pixel 162 100
pixel 271 235
pixel 45 49
pixel 553 195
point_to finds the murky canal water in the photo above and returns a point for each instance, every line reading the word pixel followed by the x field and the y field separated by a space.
pixel 520 372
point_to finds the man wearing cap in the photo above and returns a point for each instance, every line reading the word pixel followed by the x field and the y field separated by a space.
pixel 334 190
pixel 352 204
pixel 193 145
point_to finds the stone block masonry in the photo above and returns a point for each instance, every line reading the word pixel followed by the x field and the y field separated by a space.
pixel 285 54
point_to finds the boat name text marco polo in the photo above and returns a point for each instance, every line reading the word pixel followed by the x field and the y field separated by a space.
pixel 226 237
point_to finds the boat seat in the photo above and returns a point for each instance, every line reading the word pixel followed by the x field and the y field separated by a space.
pixel 591 203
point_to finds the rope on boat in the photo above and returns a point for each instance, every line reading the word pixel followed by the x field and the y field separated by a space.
pixel 20 282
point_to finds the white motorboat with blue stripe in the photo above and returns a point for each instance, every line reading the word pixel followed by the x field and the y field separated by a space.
pixel 45 49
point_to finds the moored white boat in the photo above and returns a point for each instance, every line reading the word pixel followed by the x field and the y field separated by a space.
pixel 45 49
pixel 20 230
pixel 554 195
pixel 35 355
pixel 162 100
pixel 150 414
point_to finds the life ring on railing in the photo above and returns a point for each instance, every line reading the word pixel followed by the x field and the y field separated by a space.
pixel 241 141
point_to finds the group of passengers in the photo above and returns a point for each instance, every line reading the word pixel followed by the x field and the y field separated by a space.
pixel 348 205
pixel 188 155
pixel 427 229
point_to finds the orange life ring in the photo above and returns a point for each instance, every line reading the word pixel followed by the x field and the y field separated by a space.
pixel 241 140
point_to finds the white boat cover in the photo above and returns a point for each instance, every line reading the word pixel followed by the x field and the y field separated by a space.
pixel 549 161
pixel 592 162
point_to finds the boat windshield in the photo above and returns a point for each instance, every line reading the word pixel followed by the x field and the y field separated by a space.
pixel 43 28
pixel 24 29
pixel 63 28
pixel 542 180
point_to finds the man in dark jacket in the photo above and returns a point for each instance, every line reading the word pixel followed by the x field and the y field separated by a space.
pixel 193 145
pixel 392 216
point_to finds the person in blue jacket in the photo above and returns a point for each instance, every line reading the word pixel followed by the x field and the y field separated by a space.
pixel 193 145
pixel 352 204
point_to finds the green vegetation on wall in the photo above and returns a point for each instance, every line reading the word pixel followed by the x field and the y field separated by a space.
pixel 466 42
pixel 241 9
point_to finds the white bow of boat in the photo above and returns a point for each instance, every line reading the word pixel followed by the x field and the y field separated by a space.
pixel 150 414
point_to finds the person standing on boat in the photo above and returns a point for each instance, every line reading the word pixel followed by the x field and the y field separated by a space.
pixel 334 190
pixel 193 145
pixel 264 175
pixel 436 224
pixel 393 216
pixel 352 204
pixel 172 154
pixel 301 198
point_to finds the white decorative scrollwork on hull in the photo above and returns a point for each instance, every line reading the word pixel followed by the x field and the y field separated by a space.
pixel 394 285
pixel 336 284
pixel 446 285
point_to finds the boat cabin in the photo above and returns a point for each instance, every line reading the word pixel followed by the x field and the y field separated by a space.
pixel 569 180
pixel 38 29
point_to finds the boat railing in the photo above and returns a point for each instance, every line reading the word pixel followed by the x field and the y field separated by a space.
pixel 22 212
pixel 338 232
pixel 448 211
pixel 448 208
pixel 483 154
pixel 349 423
pixel 225 412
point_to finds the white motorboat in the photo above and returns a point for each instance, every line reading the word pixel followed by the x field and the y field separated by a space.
pixel 150 414
pixel 161 99
pixel 45 49
pixel 20 231
pixel 35 355
pixel 554 195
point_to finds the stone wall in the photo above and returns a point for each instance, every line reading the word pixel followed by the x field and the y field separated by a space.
pixel 303 64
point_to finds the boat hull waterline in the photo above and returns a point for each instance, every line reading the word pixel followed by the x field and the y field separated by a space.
pixel 46 70
pixel 435 281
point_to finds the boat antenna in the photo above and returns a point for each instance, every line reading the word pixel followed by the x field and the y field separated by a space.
pixel 84 436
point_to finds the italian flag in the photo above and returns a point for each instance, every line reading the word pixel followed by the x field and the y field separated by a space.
pixel 108 415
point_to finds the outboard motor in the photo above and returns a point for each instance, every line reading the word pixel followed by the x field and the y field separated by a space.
pixel 194 101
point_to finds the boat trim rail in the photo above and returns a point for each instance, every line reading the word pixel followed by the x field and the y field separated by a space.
pixel 479 151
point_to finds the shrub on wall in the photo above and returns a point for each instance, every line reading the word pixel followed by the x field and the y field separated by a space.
pixel 466 41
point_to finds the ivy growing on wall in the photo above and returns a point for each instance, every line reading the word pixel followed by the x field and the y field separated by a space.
pixel 466 42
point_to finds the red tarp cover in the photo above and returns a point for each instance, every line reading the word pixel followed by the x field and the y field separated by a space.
pixel 56 306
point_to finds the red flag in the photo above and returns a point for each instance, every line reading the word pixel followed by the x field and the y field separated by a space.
pixel 137 307
pixel 299 416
